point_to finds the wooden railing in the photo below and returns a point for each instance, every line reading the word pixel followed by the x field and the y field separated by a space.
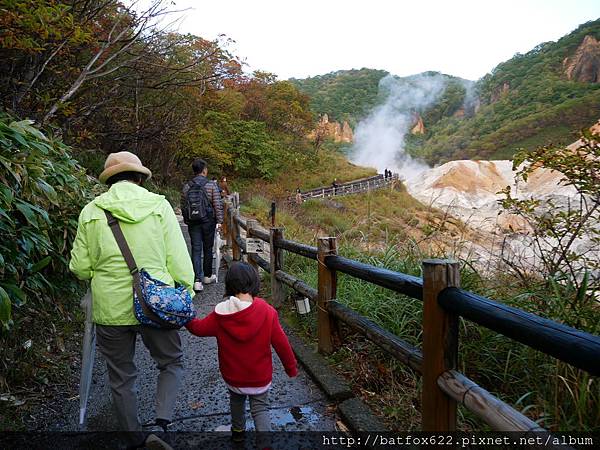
pixel 354 187
pixel 443 303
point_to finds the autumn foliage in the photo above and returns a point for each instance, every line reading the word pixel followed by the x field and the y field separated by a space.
pixel 109 77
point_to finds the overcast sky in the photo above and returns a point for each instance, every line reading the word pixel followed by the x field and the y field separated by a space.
pixel 312 37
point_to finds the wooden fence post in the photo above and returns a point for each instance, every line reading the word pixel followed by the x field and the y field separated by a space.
pixel 273 213
pixel 236 251
pixel 276 263
pixel 225 226
pixel 250 225
pixel 327 290
pixel 440 345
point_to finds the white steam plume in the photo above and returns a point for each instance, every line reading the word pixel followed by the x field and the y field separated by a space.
pixel 379 139
pixel 471 100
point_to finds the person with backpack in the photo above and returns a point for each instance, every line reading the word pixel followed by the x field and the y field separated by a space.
pixel 202 210
pixel 154 237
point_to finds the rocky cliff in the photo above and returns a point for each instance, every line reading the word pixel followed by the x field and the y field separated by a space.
pixel 326 129
pixel 470 190
pixel 584 65
pixel 500 92
pixel 419 127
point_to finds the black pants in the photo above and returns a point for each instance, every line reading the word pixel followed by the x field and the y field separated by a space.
pixel 202 236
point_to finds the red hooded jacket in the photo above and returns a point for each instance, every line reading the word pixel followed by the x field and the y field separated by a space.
pixel 244 339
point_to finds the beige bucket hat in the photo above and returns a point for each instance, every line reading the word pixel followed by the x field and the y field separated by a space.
pixel 122 162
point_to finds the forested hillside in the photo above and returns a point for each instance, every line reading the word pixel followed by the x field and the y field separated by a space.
pixel 343 95
pixel 110 78
pixel 542 96
pixel 546 95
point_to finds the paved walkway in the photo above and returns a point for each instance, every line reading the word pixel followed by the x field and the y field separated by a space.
pixel 203 402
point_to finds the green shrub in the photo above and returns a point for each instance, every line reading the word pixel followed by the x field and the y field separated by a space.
pixel 42 190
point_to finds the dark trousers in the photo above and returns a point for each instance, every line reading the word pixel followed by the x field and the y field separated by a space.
pixel 202 236
pixel 117 345
pixel 259 408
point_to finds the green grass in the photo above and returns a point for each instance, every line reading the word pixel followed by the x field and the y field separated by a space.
pixel 304 171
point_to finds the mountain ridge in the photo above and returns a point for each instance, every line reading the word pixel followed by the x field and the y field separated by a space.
pixel 536 98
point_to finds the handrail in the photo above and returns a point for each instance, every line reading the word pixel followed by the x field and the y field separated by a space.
pixel 240 221
pixel 499 415
pixel 297 248
pixel 353 183
pixel 240 242
pixel 262 263
pixel 396 281
pixel 297 284
pixel 260 233
pixel 363 185
pixel 565 343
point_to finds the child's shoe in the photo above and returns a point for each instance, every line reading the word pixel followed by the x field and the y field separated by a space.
pixel 198 286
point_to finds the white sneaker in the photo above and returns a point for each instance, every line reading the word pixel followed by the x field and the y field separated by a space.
pixel 209 280
pixel 198 286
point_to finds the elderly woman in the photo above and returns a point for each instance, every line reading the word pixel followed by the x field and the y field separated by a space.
pixel 154 236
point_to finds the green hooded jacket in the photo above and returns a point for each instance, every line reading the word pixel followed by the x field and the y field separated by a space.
pixel 154 236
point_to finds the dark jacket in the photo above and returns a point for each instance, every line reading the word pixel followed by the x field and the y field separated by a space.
pixel 213 193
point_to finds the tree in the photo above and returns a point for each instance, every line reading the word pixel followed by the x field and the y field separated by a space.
pixel 123 29
pixel 559 234
pixel 240 147
pixel 108 76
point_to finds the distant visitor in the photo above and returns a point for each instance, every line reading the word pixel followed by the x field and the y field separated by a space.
pixel 224 187
pixel 202 210
pixel 298 196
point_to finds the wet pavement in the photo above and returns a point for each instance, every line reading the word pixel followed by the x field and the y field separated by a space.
pixel 203 402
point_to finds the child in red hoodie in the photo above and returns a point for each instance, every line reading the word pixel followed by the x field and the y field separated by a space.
pixel 246 327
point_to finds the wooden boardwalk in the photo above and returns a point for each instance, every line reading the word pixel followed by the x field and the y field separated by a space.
pixel 353 187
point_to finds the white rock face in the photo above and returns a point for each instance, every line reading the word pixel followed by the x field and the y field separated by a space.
pixel 470 190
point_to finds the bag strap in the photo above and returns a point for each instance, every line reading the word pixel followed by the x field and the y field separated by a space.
pixel 113 223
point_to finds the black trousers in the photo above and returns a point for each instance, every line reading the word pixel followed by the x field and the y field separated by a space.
pixel 202 236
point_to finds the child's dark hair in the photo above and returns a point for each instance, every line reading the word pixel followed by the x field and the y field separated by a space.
pixel 242 278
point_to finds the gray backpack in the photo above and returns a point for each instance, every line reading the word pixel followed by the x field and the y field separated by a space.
pixel 199 207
